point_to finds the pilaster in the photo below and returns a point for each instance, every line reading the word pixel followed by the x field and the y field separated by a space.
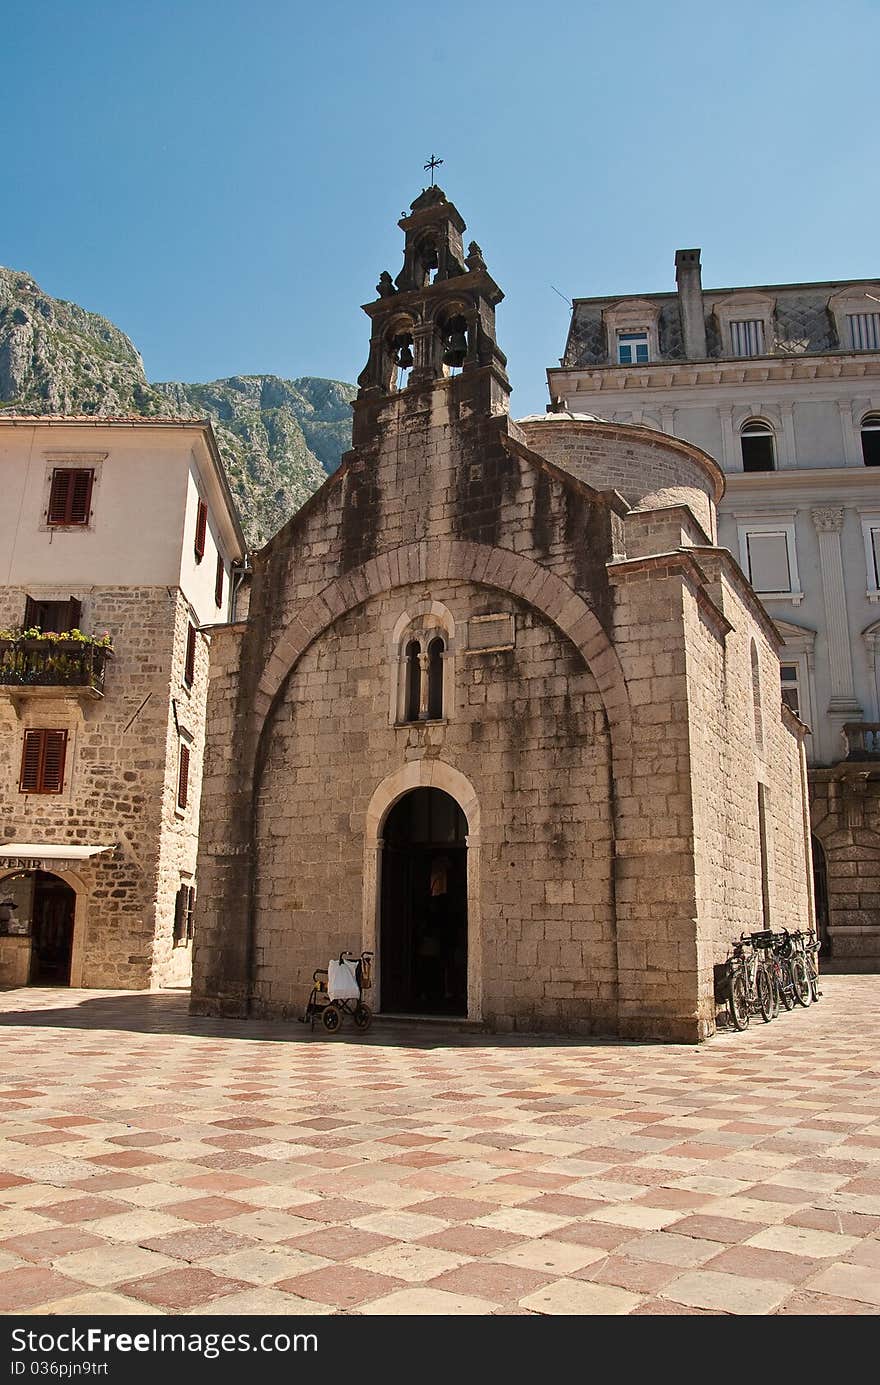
pixel 828 522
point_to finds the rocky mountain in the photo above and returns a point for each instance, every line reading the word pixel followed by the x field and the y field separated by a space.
pixel 279 438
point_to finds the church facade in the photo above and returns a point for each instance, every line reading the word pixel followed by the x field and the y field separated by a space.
pixel 502 711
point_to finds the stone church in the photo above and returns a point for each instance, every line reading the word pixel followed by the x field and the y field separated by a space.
pixel 501 712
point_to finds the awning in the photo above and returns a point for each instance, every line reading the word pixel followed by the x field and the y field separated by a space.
pixel 49 851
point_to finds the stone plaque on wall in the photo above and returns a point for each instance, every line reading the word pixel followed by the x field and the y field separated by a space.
pixel 491 632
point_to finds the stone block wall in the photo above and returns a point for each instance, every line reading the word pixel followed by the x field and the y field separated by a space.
pixel 655 885
pixel 732 752
pixel 178 842
pixel 116 786
pixel 527 729
pixel 845 811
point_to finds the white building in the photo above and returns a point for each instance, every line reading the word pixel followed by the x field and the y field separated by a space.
pixel 122 531
pixel 781 384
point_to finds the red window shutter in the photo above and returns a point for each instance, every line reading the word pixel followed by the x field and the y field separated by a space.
pixel 59 496
pixel 183 775
pixel 190 909
pixel 201 529
pixel 218 582
pixel 189 667
pixel 42 761
pixel 32 754
pixel 70 497
pixel 74 614
pixel 54 755
pixel 81 497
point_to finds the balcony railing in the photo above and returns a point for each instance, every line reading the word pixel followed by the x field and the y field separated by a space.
pixel 862 740
pixel 69 664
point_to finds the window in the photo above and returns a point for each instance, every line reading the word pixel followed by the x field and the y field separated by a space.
pixel 189 662
pixel 747 337
pixel 42 762
pixel 184 904
pixel 791 693
pixel 218 582
pixel 183 775
pixel 59 616
pixel 413 692
pixel 436 650
pixel 874 555
pixel 871 439
pixel 864 331
pixel 768 567
pixel 758 444
pixel 632 348
pixel 201 530
pixel 70 495
pixel 765 854
pixel 756 697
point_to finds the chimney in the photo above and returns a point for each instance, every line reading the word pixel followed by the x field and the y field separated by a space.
pixel 690 303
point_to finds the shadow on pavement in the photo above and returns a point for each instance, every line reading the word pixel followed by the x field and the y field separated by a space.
pixel 167 1012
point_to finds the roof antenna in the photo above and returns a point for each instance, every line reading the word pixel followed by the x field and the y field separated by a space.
pixel 563 297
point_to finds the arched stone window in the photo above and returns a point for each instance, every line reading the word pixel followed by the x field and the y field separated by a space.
pixel 399 354
pixel 871 439
pixel 756 697
pixel 412 681
pixel 423 645
pixel 758 443
pixel 436 651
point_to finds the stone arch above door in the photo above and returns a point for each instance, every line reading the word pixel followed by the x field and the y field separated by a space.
pixel 457 560
pixel 426 774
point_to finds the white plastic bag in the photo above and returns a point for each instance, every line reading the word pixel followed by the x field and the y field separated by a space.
pixel 342 981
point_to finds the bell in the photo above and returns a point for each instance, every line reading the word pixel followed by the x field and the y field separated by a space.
pixel 456 349
pixel 405 357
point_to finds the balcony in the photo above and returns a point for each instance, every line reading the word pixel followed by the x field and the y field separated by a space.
pixel 862 740
pixel 52 668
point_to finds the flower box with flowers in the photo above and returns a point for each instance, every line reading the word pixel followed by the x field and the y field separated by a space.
pixel 47 659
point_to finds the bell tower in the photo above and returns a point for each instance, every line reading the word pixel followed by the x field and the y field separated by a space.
pixel 433 327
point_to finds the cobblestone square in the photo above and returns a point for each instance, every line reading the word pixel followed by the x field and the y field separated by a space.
pixel 151 1162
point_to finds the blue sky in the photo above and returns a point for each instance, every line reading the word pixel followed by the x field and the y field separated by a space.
pixel 223 180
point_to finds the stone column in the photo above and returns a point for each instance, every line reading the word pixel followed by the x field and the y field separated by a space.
pixel 828 521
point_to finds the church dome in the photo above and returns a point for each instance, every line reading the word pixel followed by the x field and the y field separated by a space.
pixel 557 414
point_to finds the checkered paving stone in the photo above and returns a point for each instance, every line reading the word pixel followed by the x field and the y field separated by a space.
pixel 155 1163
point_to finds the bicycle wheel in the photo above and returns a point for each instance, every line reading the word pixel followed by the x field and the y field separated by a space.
pixel 802 991
pixel 774 987
pixel 738 1002
pixel 764 992
pixel 814 984
pixel 786 984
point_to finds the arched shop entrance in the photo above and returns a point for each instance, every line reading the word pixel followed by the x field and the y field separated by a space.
pixel 42 909
pixel 424 924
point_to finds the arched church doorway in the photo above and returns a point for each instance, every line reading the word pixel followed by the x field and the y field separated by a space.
pixel 820 894
pixel 423 923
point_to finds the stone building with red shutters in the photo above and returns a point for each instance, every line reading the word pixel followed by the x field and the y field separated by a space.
pixel 502 711
pixel 119 543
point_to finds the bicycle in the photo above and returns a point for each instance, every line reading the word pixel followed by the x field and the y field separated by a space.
pixel 800 970
pixel 812 944
pixel 748 983
pixel 780 965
